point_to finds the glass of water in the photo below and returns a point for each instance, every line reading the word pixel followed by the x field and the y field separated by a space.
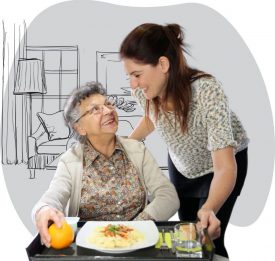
pixel 187 240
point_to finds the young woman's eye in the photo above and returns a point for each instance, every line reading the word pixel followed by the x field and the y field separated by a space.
pixel 135 75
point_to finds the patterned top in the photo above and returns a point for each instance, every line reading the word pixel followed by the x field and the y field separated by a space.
pixel 211 126
pixel 111 188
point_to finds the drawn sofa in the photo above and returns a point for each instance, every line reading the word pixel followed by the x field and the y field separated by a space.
pixel 48 141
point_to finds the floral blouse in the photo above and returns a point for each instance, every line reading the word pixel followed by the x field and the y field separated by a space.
pixel 111 187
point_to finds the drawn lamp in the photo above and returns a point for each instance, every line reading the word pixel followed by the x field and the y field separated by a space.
pixel 30 79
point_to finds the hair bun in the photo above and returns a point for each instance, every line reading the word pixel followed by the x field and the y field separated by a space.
pixel 176 29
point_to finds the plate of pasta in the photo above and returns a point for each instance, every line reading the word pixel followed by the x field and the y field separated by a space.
pixel 117 236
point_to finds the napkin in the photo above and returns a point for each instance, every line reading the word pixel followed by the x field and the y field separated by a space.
pixel 167 240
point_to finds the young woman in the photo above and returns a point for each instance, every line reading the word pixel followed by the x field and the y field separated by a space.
pixel 103 176
pixel 207 143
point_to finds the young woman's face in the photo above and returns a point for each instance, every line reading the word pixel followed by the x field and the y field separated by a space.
pixel 151 79
pixel 102 118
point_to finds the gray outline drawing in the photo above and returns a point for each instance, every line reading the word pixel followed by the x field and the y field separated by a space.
pixel 43 148
pixel 46 134
pixel 39 80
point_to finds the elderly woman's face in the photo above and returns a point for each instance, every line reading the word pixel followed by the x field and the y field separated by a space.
pixel 98 116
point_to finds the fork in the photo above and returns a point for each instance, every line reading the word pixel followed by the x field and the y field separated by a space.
pixel 172 241
pixel 163 245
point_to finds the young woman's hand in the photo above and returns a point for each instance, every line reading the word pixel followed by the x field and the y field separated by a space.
pixel 144 127
pixel 42 218
pixel 208 219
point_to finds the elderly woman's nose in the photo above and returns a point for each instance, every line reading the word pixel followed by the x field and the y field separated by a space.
pixel 107 110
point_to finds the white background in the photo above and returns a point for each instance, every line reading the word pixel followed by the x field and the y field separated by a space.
pixel 255 23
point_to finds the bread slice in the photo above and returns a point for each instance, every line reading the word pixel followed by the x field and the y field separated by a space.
pixel 189 231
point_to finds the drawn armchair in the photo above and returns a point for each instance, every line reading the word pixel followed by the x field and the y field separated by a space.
pixel 47 142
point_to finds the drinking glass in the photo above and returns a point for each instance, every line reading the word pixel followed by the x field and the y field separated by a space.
pixel 187 240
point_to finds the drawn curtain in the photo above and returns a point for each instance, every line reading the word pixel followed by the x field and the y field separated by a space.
pixel 14 121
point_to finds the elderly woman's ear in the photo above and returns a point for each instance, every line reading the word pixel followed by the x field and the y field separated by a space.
pixel 80 130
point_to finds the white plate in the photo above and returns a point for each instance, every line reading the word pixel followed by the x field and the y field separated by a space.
pixel 147 228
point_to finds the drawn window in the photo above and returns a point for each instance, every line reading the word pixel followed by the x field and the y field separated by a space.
pixel 61 68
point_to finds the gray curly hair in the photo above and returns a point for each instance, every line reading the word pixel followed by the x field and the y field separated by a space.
pixel 71 108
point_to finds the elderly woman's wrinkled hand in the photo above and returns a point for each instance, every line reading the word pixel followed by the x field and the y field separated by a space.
pixel 42 218
pixel 208 219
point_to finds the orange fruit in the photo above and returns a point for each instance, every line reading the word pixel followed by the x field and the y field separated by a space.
pixel 61 237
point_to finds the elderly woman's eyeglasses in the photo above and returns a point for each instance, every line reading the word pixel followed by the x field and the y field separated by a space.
pixel 97 109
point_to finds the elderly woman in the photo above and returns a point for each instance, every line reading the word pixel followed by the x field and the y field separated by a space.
pixel 103 176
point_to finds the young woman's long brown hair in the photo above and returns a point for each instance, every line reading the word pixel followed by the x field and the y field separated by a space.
pixel 146 44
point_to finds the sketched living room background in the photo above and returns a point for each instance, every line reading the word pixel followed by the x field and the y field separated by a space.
pixel 44 76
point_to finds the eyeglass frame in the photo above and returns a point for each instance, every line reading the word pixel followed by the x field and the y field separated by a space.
pixel 110 106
